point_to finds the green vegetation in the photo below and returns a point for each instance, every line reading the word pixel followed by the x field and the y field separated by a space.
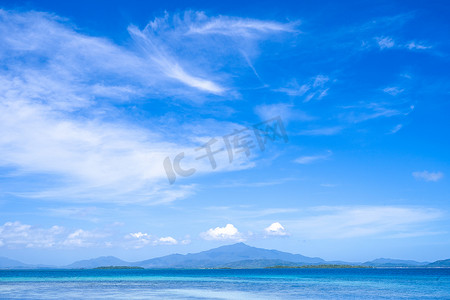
pixel 117 268
pixel 320 267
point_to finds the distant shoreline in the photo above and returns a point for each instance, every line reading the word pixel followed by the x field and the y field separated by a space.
pixel 224 268
pixel 118 268
pixel 324 266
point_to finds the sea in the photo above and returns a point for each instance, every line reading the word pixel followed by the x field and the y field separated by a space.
pixel 406 283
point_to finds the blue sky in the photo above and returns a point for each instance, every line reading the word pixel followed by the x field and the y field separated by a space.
pixel 96 97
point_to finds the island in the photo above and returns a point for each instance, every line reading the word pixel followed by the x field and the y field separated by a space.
pixel 321 267
pixel 118 268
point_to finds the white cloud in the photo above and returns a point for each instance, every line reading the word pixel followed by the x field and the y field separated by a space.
pixel 373 110
pixel 285 111
pixel 112 159
pixel 83 238
pixel 329 185
pixel 385 42
pixel 314 88
pixel 137 240
pixel 428 176
pixel 169 65
pixel 413 46
pixel 54 124
pixel 17 235
pixel 193 31
pixel 166 241
pixel 322 131
pixel 140 235
pixel 394 90
pixel 237 27
pixel 312 158
pixel 362 221
pixel 276 229
pixel 185 242
pixel 58 118
pixel 229 232
pixel 396 128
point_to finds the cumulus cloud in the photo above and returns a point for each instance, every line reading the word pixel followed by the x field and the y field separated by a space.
pixel 140 235
pixel 428 176
pixel 137 240
pixel 229 232
pixel 276 229
pixel 168 240
pixel 18 235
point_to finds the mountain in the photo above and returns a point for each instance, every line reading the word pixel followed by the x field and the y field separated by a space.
pixel 387 262
pixel 219 257
pixel 6 263
pixel 440 263
pixel 102 261
pixel 236 256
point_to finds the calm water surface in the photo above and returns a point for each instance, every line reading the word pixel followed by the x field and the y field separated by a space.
pixel 226 284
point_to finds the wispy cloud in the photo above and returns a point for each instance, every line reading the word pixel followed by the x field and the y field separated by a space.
pixel 315 88
pixel 389 42
pixel 385 42
pixel 250 212
pixel 322 131
pixel 58 114
pixel 329 185
pixel 83 238
pixel 428 176
pixel 396 128
pixel 308 159
pixel 287 112
pixel 237 27
pixel 373 110
pixel 257 184
pixel 394 90
pixel 363 221
pixel 168 64
pixel 417 46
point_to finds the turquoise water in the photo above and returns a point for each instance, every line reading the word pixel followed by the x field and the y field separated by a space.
pixel 226 284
